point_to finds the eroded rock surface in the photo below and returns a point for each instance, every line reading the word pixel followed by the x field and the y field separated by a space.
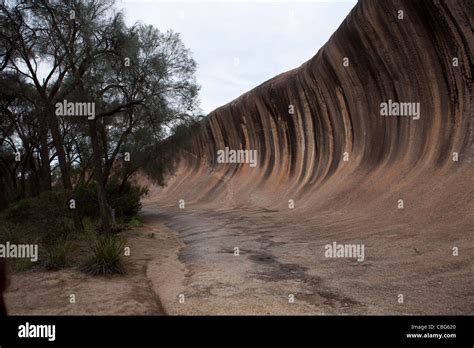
pixel 402 186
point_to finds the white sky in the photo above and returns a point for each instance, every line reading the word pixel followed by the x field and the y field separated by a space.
pixel 239 44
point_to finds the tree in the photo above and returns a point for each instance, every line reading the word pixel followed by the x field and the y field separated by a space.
pixel 139 80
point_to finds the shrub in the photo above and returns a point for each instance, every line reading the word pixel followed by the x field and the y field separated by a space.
pixel 124 200
pixel 16 233
pixel 56 254
pixel 86 200
pixel 48 216
pixel 19 211
pixel 135 221
pixel 106 257
pixel 53 215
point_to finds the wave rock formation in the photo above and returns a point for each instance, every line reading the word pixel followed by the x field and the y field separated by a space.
pixel 333 167
pixel 318 131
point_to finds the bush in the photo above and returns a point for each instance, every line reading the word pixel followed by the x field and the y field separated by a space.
pixel 53 214
pixel 19 211
pixel 107 254
pixel 48 216
pixel 124 200
pixel 56 254
pixel 17 234
pixel 86 200
pixel 135 221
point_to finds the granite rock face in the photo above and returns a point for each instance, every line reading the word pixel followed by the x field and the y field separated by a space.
pixel 318 132
pixel 334 167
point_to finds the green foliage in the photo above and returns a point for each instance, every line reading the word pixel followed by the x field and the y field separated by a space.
pixel 86 200
pixel 48 215
pixel 56 254
pixel 106 258
pixel 45 220
pixel 135 221
pixel 161 160
pixel 125 200
pixel 17 234
pixel 19 211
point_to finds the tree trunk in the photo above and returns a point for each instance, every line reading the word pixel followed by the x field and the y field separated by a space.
pixel 34 180
pixel 64 166
pixel 45 168
pixel 104 209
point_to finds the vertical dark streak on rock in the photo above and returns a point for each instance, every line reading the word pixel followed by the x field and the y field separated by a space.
pixel 337 108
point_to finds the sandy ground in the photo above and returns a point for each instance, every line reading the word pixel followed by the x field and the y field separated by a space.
pixel 36 292
pixel 282 254
pixel 190 257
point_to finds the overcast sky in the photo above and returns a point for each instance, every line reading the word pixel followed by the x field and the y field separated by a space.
pixel 239 44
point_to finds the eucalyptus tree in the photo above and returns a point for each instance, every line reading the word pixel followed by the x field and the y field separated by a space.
pixel 146 85
pixel 136 80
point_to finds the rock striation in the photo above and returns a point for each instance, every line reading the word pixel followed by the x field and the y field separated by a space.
pixel 369 143
pixel 318 131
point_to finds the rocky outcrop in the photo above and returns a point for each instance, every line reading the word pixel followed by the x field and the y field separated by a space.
pixel 321 137
pixel 339 169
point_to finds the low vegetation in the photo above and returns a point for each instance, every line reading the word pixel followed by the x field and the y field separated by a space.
pixel 107 252
pixel 86 101
pixel 47 220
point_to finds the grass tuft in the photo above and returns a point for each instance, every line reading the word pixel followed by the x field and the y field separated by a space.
pixel 56 254
pixel 106 257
